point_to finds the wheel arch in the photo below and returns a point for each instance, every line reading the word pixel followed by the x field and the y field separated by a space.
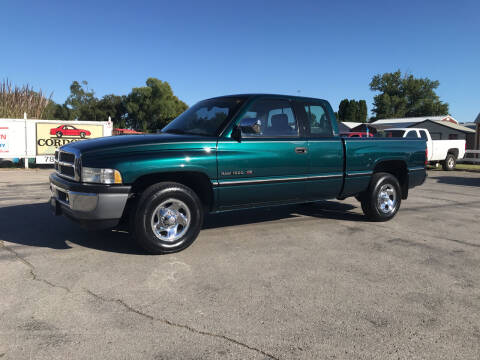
pixel 197 181
pixel 397 168
pixel 454 152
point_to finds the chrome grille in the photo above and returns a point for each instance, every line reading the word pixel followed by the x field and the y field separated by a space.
pixel 66 165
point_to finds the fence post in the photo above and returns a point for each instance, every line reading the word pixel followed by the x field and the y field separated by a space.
pixel 26 143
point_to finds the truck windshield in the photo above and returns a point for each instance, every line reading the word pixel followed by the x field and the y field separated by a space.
pixel 206 117
pixel 394 133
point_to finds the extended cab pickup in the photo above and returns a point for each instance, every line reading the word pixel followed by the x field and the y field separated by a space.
pixel 445 152
pixel 227 153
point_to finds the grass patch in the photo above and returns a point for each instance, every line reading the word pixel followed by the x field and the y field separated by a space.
pixel 458 167
pixel 468 167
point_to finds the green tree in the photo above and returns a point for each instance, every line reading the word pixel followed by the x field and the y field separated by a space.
pixel 153 106
pixel 55 111
pixel 351 111
pixel 342 109
pixel 112 106
pixel 405 96
pixel 82 102
pixel 362 111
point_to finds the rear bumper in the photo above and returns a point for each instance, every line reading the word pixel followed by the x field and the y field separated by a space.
pixel 93 206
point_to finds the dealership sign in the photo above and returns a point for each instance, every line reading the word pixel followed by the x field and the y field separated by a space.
pixel 4 137
pixel 51 136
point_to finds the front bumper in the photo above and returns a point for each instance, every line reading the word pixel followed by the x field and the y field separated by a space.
pixel 94 206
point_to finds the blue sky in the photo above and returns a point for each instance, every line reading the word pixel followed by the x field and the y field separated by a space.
pixel 208 48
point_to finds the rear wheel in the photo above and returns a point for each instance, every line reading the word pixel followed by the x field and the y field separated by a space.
pixel 382 199
pixel 449 163
pixel 167 218
pixel 82 134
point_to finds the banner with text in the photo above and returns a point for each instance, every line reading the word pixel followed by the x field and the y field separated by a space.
pixel 51 136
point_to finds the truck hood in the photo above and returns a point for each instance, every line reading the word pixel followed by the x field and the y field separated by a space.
pixel 124 142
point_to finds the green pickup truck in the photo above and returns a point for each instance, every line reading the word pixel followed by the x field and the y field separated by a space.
pixel 227 153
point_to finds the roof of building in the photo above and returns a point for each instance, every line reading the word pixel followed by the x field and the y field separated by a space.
pixel 415 119
pixel 477 120
pixel 448 124
pixel 470 125
pixel 350 124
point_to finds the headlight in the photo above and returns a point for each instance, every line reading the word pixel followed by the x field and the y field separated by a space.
pixel 101 176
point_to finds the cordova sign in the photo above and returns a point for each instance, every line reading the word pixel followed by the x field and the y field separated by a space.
pixel 28 138
pixel 51 136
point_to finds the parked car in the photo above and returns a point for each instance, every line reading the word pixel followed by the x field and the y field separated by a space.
pixel 356 134
pixel 445 152
pixel 228 153
pixel 69 130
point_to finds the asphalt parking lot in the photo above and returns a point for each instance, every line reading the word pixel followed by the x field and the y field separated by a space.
pixel 300 282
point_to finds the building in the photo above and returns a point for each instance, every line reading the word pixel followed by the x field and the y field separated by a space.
pixel 364 127
pixel 408 122
pixel 446 130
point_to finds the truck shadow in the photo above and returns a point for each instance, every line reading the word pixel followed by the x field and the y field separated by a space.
pixel 321 209
pixel 34 225
pixel 454 180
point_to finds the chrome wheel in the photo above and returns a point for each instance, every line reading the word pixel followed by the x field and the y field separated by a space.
pixel 451 162
pixel 171 220
pixel 387 199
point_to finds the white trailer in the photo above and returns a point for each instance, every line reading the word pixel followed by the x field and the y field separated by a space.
pixel 445 152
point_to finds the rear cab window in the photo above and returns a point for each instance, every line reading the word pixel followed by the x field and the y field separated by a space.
pixel 412 134
pixel 394 133
pixel 317 122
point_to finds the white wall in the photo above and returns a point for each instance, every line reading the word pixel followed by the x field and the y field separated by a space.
pixel 18 145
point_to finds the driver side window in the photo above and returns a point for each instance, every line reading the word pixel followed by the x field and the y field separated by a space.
pixel 269 118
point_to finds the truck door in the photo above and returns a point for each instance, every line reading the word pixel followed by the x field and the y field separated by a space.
pixel 270 163
pixel 325 151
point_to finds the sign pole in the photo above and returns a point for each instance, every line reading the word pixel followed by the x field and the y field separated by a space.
pixel 26 143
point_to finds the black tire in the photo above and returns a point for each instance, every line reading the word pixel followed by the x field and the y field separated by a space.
pixel 59 134
pixel 449 163
pixel 371 201
pixel 142 216
pixel 82 135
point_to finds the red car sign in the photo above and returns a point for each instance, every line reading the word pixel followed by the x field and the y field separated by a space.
pixel 69 130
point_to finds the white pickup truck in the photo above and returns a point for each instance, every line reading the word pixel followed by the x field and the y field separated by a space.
pixel 445 152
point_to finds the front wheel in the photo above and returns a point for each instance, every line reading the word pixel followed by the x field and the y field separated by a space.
pixel 167 218
pixel 82 135
pixel 383 197
pixel 449 163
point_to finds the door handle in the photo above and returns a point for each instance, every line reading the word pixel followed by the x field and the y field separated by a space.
pixel 301 150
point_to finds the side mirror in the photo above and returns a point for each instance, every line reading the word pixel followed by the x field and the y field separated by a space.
pixel 237 134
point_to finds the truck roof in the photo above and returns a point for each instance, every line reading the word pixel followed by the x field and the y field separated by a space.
pixel 267 94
